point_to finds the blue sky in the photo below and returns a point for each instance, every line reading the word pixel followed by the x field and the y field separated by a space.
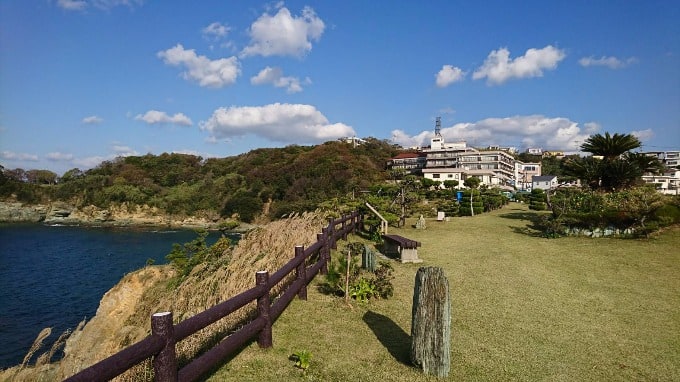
pixel 83 81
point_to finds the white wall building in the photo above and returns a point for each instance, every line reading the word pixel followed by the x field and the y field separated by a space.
pixel 547 182
pixel 668 183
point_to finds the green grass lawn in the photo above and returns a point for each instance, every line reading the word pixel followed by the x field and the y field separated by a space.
pixel 523 308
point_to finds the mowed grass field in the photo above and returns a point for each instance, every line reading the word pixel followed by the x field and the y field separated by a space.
pixel 524 308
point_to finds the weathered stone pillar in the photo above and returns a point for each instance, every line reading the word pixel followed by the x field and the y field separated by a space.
pixel 431 322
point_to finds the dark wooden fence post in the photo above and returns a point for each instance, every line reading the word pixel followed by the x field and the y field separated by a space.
pixel 263 305
pixel 324 251
pixel 165 363
pixel 431 322
pixel 331 233
pixel 342 227
pixel 301 272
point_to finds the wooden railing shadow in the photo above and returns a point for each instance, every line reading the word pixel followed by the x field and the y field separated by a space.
pixel 160 345
pixel 390 335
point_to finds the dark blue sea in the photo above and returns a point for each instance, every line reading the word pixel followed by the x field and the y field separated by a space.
pixel 55 276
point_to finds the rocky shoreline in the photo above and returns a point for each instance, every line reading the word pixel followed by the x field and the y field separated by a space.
pixel 114 216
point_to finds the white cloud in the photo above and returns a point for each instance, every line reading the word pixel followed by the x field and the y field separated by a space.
pixel 72 5
pixel 59 157
pixel 591 127
pixel 123 151
pixel 90 162
pixel 498 67
pixel 609 62
pixel 283 34
pixel 523 131
pixel 154 116
pixel 93 119
pixel 216 31
pixel 210 73
pixel 286 123
pixel 448 75
pixel 274 76
pixel 9 155
pixel 643 135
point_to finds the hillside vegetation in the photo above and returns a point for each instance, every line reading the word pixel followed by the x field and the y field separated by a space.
pixel 272 181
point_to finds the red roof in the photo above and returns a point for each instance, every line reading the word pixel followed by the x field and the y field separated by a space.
pixel 407 155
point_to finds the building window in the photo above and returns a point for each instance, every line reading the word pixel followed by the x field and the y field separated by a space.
pixel 435 176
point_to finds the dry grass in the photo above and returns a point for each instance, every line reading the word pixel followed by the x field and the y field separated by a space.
pixel 268 247
pixel 37 344
pixel 524 308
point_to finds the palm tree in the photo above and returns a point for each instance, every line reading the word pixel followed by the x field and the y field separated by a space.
pixel 648 164
pixel 618 174
pixel 610 146
pixel 588 170
pixel 618 169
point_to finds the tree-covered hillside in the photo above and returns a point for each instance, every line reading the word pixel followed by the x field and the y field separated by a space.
pixel 274 180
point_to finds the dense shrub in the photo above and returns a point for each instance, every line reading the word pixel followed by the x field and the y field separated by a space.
pixel 641 209
pixel 538 200
pixel 246 206
pixel 477 205
pixel 667 214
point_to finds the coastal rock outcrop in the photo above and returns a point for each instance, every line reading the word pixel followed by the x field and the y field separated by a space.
pixel 110 329
pixel 17 212
pixel 116 215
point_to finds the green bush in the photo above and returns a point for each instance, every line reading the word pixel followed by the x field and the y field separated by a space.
pixel 538 200
pixel 667 214
pixel 477 203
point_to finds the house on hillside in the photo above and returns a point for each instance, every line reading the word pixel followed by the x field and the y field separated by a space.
pixel 524 172
pixel 442 174
pixel 546 182
pixel 553 154
pixel 411 162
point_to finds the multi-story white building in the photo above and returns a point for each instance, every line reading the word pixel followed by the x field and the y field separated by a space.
pixel 668 158
pixel 410 162
pixel 456 161
pixel 666 183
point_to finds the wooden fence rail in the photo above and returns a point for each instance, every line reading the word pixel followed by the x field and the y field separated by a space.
pixel 160 345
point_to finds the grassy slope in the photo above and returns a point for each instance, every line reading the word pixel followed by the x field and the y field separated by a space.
pixel 524 308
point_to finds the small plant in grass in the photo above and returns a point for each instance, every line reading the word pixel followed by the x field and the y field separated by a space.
pixel 382 280
pixel 362 290
pixel 302 359
pixel 361 286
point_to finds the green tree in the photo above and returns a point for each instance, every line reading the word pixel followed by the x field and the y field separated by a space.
pixel 451 184
pixel 472 182
pixel 618 169
pixel 610 146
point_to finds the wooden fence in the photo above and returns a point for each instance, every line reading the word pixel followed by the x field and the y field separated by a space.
pixel 160 345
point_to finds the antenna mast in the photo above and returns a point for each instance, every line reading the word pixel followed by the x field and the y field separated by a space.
pixel 438 127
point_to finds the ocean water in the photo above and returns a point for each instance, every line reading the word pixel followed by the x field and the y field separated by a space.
pixel 55 276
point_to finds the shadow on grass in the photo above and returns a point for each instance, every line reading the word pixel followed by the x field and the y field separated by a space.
pixel 391 336
pixel 533 228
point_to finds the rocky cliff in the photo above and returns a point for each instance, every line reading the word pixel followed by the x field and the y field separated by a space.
pixel 117 215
